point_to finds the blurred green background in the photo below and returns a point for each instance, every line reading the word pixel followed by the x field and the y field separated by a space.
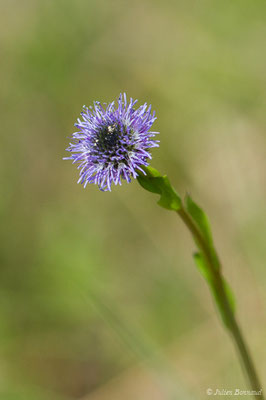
pixel 99 296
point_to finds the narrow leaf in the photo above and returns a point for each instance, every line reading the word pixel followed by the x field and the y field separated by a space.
pixel 200 218
pixel 202 222
pixel 206 273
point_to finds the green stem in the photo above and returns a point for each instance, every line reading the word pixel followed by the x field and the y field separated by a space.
pixel 207 261
pixel 232 325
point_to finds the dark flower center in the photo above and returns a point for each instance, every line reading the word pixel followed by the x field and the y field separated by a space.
pixel 112 144
pixel 108 138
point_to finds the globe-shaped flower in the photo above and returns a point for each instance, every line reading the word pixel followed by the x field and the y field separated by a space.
pixel 113 142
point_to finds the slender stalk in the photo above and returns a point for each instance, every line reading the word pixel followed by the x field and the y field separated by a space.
pixel 232 325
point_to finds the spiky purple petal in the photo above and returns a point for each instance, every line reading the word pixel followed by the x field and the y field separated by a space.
pixel 112 142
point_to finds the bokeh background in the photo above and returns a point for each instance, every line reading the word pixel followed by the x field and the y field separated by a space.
pixel 99 296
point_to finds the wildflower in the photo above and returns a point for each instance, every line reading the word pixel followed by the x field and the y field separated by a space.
pixel 113 142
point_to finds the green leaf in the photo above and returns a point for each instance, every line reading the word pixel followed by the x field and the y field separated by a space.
pixel 202 266
pixel 207 274
pixel 202 222
pixel 154 182
pixel 200 218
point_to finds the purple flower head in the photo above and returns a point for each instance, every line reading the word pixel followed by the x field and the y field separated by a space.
pixel 113 142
